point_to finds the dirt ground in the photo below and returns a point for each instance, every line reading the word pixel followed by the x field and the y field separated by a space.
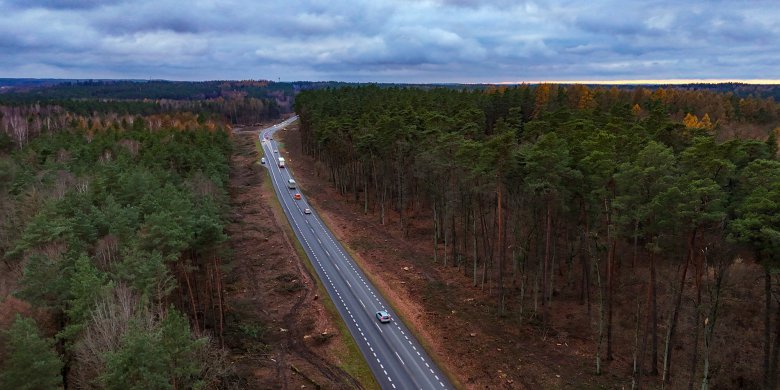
pixel 455 321
pixel 277 330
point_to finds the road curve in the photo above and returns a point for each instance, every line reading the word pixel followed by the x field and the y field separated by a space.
pixel 394 355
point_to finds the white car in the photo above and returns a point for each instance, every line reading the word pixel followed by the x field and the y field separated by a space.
pixel 383 316
pixel 276 151
pixel 262 160
pixel 307 211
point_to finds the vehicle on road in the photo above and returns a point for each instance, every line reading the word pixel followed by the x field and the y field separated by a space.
pixel 262 160
pixel 291 184
pixel 281 162
pixel 276 151
pixel 307 211
pixel 383 316
pixel 297 196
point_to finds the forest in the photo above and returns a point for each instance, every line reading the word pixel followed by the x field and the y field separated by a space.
pixel 646 206
pixel 112 241
pixel 657 210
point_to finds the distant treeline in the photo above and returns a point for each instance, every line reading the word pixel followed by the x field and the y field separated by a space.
pixel 50 89
pixel 738 89
pixel 155 89
pixel 23 118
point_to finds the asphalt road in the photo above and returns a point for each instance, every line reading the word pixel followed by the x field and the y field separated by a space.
pixel 393 353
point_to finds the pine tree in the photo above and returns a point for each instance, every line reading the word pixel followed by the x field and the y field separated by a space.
pixel 161 357
pixel 32 362
pixel 86 285
pixel 139 364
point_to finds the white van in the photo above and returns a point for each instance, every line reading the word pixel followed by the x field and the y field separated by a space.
pixel 291 184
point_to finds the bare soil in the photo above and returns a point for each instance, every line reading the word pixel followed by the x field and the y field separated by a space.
pixel 277 330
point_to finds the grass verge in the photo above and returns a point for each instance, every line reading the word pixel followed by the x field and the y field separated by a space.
pixel 351 360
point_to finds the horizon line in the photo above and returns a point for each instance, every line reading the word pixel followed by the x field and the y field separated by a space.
pixel 650 82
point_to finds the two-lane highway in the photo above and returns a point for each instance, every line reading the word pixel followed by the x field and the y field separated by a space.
pixel 396 358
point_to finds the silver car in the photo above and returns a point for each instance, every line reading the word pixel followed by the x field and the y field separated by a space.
pixel 383 316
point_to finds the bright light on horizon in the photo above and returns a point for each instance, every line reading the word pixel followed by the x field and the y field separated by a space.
pixel 650 81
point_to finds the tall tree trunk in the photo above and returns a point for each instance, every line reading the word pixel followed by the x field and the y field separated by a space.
pixel 551 268
pixel 220 301
pixel 767 326
pixel 365 194
pixel 455 243
pixel 675 312
pixel 610 288
pixel 192 299
pixel 695 355
pixel 382 203
pixel 600 337
pixel 709 326
pixel 636 242
pixel 610 275
pixel 585 259
pixel 486 244
pixel 210 285
pixel 474 244
pixel 446 232
pixel 435 235
pixel 499 247
pixel 698 269
pixel 635 364
pixel 653 289
pixel 775 352
pixel 546 263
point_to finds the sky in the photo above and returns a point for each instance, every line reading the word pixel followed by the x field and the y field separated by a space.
pixel 425 41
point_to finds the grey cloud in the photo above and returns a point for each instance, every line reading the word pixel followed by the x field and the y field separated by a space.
pixel 62 4
pixel 473 4
pixel 389 40
pixel 609 27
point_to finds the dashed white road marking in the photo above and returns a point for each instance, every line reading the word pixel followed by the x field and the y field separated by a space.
pixel 399 358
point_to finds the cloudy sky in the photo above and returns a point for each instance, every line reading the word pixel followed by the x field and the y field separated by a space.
pixel 391 40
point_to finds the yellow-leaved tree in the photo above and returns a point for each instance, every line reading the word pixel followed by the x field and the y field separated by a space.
pixel 706 123
pixel 691 121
